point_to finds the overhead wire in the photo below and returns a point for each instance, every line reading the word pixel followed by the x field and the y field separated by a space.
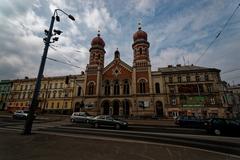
pixel 217 36
pixel 52 59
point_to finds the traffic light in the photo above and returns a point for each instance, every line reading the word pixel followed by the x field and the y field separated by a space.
pixel 67 80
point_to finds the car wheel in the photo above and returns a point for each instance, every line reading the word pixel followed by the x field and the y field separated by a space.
pixel 96 125
pixel 72 120
pixel 217 132
pixel 117 126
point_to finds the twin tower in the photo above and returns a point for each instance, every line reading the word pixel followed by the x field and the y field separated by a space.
pixel 96 73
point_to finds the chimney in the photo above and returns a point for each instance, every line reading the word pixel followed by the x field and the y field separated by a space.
pixel 170 66
pixel 178 65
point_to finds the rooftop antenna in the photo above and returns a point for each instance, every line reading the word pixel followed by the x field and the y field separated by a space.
pixel 184 61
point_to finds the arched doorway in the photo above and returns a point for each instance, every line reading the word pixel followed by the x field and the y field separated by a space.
pixel 159 109
pixel 77 107
pixel 115 108
pixel 105 107
pixel 126 107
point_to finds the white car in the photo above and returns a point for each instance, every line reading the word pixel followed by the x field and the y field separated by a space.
pixel 80 117
pixel 20 114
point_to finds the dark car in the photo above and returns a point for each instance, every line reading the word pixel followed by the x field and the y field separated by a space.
pixel 190 121
pixel 80 117
pixel 221 126
pixel 106 120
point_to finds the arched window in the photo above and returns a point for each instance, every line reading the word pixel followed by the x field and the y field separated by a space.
pixel 116 88
pixel 142 86
pixel 157 87
pixel 140 50
pixel 126 87
pixel 90 88
pixel 107 88
pixel 79 91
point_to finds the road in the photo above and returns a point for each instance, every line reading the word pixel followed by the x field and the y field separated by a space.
pixel 194 138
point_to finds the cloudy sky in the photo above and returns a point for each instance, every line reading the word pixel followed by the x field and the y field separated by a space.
pixel 178 31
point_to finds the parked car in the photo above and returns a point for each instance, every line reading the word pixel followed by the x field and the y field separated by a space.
pixel 106 120
pixel 21 114
pixel 221 126
pixel 190 121
pixel 80 117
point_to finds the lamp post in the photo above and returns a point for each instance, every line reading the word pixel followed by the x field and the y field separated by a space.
pixel 34 101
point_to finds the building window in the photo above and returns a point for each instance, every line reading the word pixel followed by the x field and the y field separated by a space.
pixel 197 78
pixel 21 88
pixel 107 88
pixel 126 87
pixel 66 105
pixel 52 105
pixel 45 86
pixel 172 89
pixel 50 85
pixel 179 79
pixel 140 50
pixel 61 85
pixel 54 94
pixel 142 86
pixel 212 100
pixel 209 88
pixel 90 88
pixel 170 79
pixel 173 101
pixel 79 91
pixel 56 85
pixel 157 87
pixel 49 93
pixel 206 77
pixel 58 105
pixel 188 78
pixel 116 88
pixel 26 87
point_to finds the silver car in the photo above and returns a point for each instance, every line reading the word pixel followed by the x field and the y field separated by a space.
pixel 20 114
pixel 80 117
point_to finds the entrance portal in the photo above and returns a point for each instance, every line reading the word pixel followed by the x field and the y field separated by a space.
pixel 116 108
pixel 126 108
pixel 105 106
pixel 159 109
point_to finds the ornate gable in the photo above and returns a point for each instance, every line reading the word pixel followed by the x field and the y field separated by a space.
pixel 117 69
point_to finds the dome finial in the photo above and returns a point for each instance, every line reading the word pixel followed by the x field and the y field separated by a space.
pixel 139 25
pixel 98 33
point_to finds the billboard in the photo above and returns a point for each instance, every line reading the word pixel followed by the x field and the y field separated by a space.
pixel 194 102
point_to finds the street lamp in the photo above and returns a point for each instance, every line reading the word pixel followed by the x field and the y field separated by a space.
pixel 34 102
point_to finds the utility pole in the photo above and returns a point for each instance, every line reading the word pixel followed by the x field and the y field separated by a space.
pixel 34 103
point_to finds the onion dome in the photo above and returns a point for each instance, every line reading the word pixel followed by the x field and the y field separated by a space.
pixel 98 41
pixel 140 35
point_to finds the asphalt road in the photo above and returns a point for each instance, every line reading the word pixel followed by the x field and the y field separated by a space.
pixel 196 138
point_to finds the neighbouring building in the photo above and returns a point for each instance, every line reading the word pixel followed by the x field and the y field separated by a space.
pixel 125 90
pixel 55 95
pixel 235 99
pixel 5 87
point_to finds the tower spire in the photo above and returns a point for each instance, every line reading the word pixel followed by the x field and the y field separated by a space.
pixel 139 25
